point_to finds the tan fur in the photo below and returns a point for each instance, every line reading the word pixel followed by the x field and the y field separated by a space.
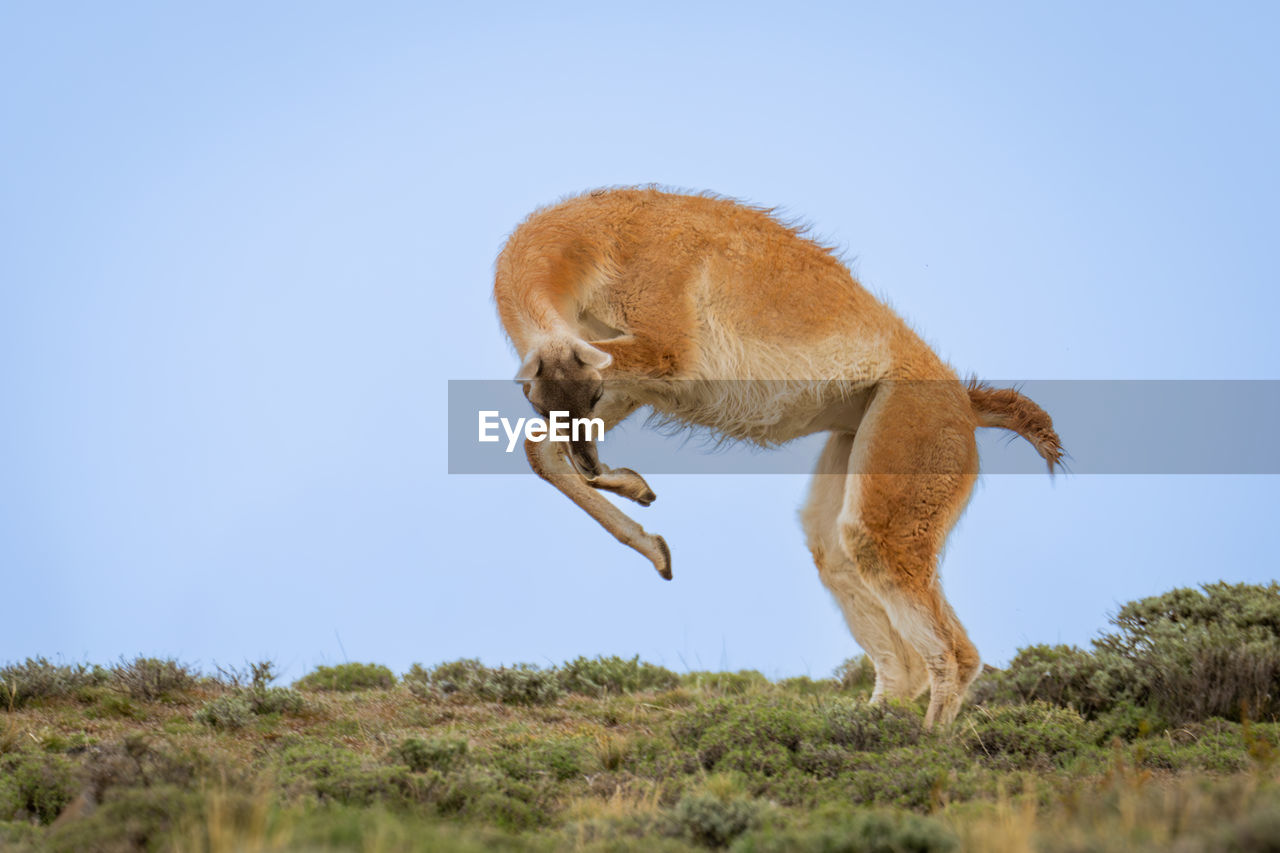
pixel 635 297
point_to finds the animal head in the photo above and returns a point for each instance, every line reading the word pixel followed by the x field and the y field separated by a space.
pixel 564 375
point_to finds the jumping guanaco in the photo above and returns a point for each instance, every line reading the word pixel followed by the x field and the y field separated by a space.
pixel 717 315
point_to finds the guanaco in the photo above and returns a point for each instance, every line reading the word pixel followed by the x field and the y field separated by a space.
pixel 717 315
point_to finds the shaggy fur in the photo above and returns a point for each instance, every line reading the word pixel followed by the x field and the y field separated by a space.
pixel 716 315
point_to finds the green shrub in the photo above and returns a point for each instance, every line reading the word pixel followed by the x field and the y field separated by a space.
pixel 714 821
pixel 57 742
pixel 128 819
pixel 18 835
pixel 601 675
pixel 333 774
pixel 863 832
pixel 1193 654
pixel 151 679
pixel 506 812
pixel 1195 672
pixel 112 704
pixel 348 677
pixel 857 673
pixel 521 684
pixel 1218 747
pixel 852 724
pixel 757 736
pixel 136 761
pixel 1244 606
pixel 465 676
pixel 480 794
pixel 916 778
pixel 1182 656
pixel 1061 675
pixel 34 787
pixel 1127 722
pixel 557 759
pixel 726 683
pixel 457 793
pixel 441 754
pixel 803 685
pixel 1034 735
pixel 37 678
pixel 630 832
pixel 228 713
pixel 256 675
pixel 253 685
pixel 274 700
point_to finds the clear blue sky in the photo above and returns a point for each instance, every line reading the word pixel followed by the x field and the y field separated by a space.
pixel 244 246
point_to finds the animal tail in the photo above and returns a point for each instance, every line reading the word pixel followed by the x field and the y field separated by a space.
pixel 1007 409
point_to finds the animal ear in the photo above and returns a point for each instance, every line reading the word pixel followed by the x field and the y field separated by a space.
pixel 590 356
pixel 529 368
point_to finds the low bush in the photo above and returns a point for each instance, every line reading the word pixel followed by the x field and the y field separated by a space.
pixel 857 673
pixel 226 712
pixel 19 835
pixel 129 819
pixel 1061 675
pixel 37 678
pixel 348 677
pixel 1218 746
pixel 917 778
pixel 852 724
pixel 1182 656
pixel 1127 722
pixel 601 675
pixel 152 679
pixel 1024 736
pixel 555 758
pixel 727 683
pixel 110 704
pixel 256 675
pixel 140 760
pixel 758 736
pixel 862 832
pixel 441 754
pixel 34 787
pixel 803 685
pixel 715 821
pixel 336 775
pixel 465 676
pixel 521 684
pixel 1193 654
pixel 274 700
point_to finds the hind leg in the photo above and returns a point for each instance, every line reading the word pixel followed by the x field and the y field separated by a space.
pixel 900 671
pixel 911 470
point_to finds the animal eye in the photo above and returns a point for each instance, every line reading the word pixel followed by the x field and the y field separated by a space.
pixel 595 398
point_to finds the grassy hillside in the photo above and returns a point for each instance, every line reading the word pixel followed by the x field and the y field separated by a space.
pixel 1162 736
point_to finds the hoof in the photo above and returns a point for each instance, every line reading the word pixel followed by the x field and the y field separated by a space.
pixel 663 567
pixel 635 487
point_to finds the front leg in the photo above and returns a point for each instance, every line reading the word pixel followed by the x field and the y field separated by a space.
pixel 613 408
pixel 624 482
pixel 548 461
